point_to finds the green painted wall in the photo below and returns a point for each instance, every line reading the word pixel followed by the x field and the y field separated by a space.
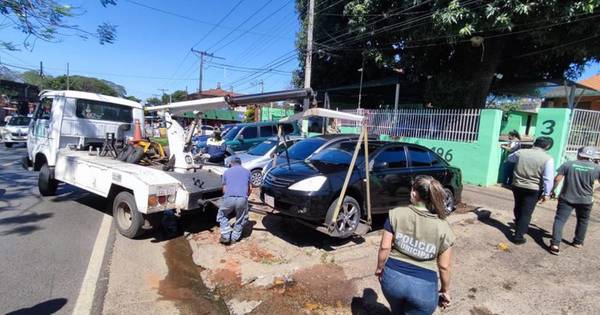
pixel 269 114
pixel 479 161
pixel 554 123
pixel 518 121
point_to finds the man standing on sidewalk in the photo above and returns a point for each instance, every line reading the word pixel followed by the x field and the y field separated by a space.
pixel 236 189
pixel 577 192
pixel 532 181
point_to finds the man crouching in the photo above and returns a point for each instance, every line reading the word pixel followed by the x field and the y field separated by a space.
pixel 236 189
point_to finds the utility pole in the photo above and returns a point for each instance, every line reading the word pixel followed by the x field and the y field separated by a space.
pixel 202 54
pixel 42 74
pixel 163 93
pixel 309 48
pixel 262 86
pixel 68 83
pixel 362 72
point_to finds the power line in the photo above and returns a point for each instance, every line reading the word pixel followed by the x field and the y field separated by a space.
pixel 238 27
pixel 206 35
pixel 234 67
pixel 219 23
pixel 193 19
pixel 255 25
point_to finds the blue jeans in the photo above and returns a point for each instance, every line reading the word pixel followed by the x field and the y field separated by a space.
pixel 563 211
pixel 407 294
pixel 229 205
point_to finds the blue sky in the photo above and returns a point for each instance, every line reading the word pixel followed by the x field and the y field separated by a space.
pixel 152 50
pixel 152 45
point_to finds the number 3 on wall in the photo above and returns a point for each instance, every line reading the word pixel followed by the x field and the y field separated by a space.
pixel 549 124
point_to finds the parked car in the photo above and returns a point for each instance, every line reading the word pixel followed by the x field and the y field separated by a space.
pixel 206 130
pixel 259 155
pixel 16 130
pixel 305 148
pixel 309 190
pixel 242 137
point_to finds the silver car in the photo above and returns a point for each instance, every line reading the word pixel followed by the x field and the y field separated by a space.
pixel 259 155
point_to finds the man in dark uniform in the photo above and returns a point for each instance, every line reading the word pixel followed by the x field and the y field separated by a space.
pixel 578 179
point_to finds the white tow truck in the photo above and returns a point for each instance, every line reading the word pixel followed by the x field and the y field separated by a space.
pixel 74 139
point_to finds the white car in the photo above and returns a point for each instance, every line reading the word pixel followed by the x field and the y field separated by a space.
pixel 16 130
pixel 259 155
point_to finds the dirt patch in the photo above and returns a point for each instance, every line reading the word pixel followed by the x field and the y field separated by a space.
pixel 228 276
pixel 183 283
pixel 480 310
pixel 321 288
pixel 508 285
pixel 251 250
pixel 463 208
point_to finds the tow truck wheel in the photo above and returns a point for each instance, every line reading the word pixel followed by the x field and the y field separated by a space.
pixel 256 178
pixel 128 219
pixel 348 217
pixel 47 185
pixel 8 144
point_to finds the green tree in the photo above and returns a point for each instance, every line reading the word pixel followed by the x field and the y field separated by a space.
pixel 455 52
pixel 250 113
pixel 76 83
pixel 153 101
pixel 179 96
pixel 133 98
pixel 47 20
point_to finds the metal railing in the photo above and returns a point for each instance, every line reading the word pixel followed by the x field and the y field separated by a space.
pixel 437 124
pixel 585 129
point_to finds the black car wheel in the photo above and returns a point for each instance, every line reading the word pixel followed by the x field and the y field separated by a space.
pixel 449 201
pixel 348 217
pixel 256 178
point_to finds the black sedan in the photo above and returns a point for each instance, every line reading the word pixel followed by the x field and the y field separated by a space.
pixel 309 190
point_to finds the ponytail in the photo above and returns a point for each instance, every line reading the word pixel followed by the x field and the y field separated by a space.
pixel 432 193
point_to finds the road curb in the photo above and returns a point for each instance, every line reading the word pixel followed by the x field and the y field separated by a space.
pixel 102 284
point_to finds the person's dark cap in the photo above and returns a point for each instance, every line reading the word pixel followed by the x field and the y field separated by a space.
pixel 587 152
pixel 235 160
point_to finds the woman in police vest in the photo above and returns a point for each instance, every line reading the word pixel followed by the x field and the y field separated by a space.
pixel 415 245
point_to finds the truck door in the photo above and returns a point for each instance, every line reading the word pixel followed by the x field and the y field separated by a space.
pixel 44 129
pixel 390 179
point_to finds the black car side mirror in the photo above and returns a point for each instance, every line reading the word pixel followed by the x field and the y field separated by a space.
pixel 380 166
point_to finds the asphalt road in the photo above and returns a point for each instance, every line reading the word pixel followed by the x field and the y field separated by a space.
pixel 45 242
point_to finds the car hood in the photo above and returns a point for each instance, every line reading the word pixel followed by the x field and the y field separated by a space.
pixel 19 129
pixel 246 158
pixel 306 169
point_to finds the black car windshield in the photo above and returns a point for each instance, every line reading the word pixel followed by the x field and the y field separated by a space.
pixel 19 121
pixel 231 133
pixel 302 149
pixel 262 148
pixel 342 154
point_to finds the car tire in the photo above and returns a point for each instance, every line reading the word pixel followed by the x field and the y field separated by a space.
pixel 47 185
pixel 348 217
pixel 136 156
pixel 8 144
pixel 449 201
pixel 256 177
pixel 127 218
pixel 122 156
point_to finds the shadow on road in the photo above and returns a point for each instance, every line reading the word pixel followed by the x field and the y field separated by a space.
pixel 368 305
pixel 48 307
pixel 537 233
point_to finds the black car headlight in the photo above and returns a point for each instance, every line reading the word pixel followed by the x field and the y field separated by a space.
pixel 310 184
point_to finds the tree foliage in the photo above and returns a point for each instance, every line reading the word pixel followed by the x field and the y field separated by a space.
pixel 454 51
pixel 153 101
pixel 133 98
pixel 76 83
pixel 47 20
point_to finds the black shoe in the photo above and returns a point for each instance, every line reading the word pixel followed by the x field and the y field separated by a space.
pixel 225 239
pixel 519 240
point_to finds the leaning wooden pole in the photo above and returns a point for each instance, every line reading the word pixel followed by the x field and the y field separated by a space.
pixel 331 221
pixel 367 176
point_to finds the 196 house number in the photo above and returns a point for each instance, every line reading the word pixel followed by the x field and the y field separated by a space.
pixel 447 155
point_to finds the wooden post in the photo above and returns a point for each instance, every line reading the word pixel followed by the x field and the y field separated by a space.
pixel 331 221
pixel 367 176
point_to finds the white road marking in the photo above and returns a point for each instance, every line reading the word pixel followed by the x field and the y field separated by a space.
pixel 88 287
